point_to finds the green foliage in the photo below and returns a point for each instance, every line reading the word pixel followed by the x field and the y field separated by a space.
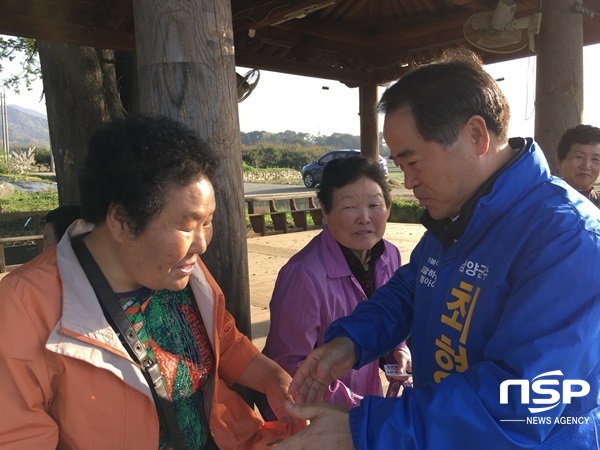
pixel 298 158
pixel 262 155
pixel 6 168
pixel 269 155
pixel 32 201
pixel 246 167
pixel 338 140
pixel 287 137
pixel 42 156
pixel 23 50
pixel 406 212
pixel 296 139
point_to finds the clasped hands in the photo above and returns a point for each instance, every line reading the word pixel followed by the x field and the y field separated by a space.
pixel 329 425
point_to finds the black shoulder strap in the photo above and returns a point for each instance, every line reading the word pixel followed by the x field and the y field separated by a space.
pixel 118 320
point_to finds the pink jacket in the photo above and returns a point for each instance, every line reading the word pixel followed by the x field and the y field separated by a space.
pixel 68 383
pixel 312 290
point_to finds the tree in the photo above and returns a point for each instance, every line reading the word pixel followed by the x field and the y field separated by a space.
pixel 80 85
pixel 82 93
pixel 22 50
pixel 339 140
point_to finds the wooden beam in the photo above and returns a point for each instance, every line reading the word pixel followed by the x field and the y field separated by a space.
pixel 369 129
pixel 264 62
pixel 474 6
pixel 344 51
pixel 49 30
pixel 559 80
pixel 266 13
pixel 186 67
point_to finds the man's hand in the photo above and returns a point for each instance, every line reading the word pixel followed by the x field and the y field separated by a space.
pixel 320 368
pixel 329 428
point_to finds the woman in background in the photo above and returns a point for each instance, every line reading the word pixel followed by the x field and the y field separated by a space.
pixel 339 268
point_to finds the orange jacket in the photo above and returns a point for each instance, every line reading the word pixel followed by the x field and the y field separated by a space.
pixel 67 382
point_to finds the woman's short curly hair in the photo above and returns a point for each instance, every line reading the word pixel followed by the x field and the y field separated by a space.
pixel 132 162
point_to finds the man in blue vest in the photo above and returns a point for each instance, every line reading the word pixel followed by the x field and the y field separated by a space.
pixel 501 295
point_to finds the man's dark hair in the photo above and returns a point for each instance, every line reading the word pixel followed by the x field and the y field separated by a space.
pixel 60 218
pixel 341 172
pixel 132 162
pixel 581 134
pixel 443 95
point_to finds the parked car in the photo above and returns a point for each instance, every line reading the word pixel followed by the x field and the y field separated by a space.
pixel 313 172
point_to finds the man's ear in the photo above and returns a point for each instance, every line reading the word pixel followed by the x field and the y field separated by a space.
pixel 116 223
pixel 478 134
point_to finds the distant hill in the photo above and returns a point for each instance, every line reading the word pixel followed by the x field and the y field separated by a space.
pixel 27 127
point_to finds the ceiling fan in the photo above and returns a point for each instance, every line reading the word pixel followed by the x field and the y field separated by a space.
pixel 246 83
pixel 498 32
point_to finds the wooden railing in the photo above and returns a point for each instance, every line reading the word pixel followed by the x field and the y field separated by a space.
pixel 299 205
pixel 34 226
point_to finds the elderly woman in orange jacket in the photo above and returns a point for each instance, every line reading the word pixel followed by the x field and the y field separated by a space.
pixel 68 380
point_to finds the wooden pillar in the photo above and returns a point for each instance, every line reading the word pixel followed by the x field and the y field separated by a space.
pixel 186 70
pixel 559 79
pixel 369 130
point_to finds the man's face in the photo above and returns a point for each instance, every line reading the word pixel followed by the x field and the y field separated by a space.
pixel 581 166
pixel 163 255
pixel 441 178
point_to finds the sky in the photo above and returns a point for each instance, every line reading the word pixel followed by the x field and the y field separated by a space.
pixel 283 102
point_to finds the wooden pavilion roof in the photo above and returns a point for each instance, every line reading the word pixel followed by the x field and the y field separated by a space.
pixel 353 41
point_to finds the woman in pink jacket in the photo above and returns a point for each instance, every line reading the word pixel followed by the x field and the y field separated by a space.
pixel 68 380
pixel 339 268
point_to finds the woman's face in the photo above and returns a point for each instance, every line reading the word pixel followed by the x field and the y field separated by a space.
pixel 581 166
pixel 163 255
pixel 358 215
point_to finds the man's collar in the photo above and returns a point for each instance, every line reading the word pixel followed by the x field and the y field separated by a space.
pixel 448 231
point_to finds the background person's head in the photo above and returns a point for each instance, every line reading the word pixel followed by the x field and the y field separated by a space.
pixel 355 198
pixel 146 186
pixel 57 222
pixel 579 156
pixel 446 125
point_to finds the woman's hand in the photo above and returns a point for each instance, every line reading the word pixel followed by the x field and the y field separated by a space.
pixel 266 376
pixel 277 393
